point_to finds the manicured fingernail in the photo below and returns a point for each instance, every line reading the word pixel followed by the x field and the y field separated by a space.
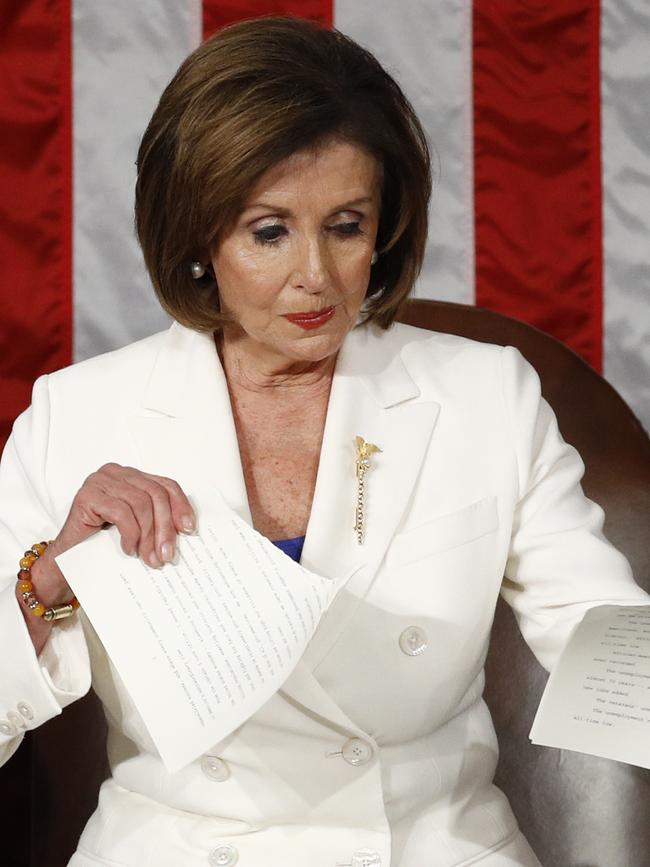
pixel 153 560
pixel 187 522
pixel 167 552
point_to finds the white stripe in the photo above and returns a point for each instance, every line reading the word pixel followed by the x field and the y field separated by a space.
pixel 428 50
pixel 625 87
pixel 124 54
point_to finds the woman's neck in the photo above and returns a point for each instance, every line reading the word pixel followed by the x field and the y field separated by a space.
pixel 252 370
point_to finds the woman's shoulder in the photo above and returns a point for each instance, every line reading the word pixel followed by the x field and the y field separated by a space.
pixel 114 384
pixel 126 365
pixel 435 349
pixel 447 364
pixel 131 353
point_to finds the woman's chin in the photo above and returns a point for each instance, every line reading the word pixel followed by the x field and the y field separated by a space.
pixel 314 346
pixel 327 337
pixel 288 342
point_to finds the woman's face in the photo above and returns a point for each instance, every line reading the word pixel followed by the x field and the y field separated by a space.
pixel 294 270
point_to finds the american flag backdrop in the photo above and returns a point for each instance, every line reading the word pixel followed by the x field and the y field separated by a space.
pixel 538 112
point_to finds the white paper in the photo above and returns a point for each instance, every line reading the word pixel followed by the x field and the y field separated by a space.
pixel 203 643
pixel 597 699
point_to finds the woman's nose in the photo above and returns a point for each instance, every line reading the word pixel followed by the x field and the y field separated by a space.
pixel 311 268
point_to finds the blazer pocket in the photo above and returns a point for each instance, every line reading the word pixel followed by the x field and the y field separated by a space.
pixel 444 532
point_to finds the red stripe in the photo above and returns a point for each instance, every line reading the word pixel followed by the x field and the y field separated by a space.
pixel 596 171
pixel 217 14
pixel 537 166
pixel 35 198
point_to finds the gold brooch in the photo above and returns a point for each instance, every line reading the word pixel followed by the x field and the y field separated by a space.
pixel 364 450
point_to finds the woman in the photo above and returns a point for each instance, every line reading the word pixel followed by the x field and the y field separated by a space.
pixel 281 201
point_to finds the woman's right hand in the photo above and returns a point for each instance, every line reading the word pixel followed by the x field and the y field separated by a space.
pixel 148 511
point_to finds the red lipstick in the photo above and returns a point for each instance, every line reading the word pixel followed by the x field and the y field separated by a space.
pixel 315 319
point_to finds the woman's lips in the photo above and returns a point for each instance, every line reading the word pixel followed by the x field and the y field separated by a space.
pixel 311 320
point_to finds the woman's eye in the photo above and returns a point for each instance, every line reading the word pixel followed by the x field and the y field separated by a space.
pixel 269 234
pixel 347 228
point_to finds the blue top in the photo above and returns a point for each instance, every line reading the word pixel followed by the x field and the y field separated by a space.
pixel 291 547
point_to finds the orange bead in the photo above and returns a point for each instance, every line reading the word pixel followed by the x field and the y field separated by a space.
pixel 38 610
pixel 26 561
pixel 39 548
pixel 24 575
pixel 74 602
pixel 25 586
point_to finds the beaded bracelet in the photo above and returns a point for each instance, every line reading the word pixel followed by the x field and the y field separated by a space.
pixel 26 588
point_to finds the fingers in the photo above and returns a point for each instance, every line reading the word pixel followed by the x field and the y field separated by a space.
pixel 93 508
pixel 160 507
pixel 147 510
pixel 181 509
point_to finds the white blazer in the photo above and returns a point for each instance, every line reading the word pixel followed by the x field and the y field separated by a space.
pixel 379 749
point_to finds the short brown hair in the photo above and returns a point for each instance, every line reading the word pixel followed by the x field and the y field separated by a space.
pixel 246 99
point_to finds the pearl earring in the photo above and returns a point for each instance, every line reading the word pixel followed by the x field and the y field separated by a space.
pixel 197 270
pixel 374 258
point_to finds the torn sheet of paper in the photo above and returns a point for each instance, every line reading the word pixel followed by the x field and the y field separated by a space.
pixel 201 644
pixel 597 699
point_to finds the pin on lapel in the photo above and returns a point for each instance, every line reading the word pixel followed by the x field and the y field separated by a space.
pixel 364 451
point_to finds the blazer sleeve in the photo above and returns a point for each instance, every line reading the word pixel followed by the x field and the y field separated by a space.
pixel 559 563
pixel 32 688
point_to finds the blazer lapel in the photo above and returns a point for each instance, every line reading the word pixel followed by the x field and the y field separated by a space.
pixel 372 396
pixel 185 427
